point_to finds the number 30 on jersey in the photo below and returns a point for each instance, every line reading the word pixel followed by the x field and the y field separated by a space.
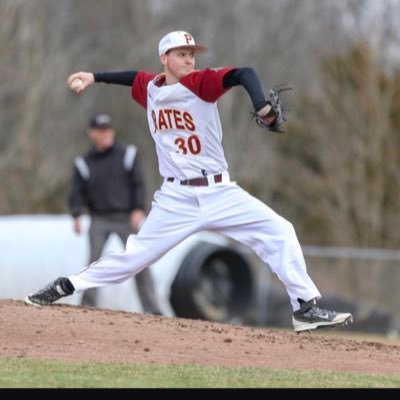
pixel 191 145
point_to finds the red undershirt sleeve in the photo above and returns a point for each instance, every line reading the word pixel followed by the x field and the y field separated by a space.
pixel 139 87
pixel 207 83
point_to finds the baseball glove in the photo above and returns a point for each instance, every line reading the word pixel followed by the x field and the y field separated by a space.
pixel 271 116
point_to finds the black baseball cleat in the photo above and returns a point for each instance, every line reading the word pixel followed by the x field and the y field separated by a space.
pixel 310 317
pixel 60 287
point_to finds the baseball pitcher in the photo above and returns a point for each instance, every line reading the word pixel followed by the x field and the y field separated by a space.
pixel 197 192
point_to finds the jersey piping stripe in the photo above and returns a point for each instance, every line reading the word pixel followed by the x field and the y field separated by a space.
pixel 82 167
pixel 129 157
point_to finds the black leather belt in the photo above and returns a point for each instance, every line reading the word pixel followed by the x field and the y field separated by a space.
pixel 198 181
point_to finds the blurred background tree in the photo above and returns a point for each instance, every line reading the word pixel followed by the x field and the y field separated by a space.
pixel 344 144
pixel 335 172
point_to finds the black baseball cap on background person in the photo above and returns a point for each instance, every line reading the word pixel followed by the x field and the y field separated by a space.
pixel 100 121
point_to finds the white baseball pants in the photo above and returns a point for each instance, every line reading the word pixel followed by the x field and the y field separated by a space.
pixel 179 211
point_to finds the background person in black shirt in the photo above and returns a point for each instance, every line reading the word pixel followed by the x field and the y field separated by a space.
pixel 108 182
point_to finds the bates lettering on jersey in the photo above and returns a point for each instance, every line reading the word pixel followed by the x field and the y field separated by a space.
pixel 167 119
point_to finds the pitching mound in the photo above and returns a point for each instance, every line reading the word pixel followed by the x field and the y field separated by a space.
pixel 65 332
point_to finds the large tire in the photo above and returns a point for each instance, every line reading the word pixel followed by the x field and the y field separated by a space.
pixel 213 283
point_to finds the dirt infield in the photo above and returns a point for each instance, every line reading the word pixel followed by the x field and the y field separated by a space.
pixel 64 332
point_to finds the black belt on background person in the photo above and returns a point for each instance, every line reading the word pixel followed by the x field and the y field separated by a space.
pixel 198 181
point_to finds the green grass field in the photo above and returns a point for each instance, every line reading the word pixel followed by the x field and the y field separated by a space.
pixel 25 373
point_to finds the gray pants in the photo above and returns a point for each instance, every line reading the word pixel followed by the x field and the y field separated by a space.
pixel 101 228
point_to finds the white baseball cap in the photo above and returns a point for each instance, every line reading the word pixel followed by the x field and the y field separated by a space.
pixel 177 39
